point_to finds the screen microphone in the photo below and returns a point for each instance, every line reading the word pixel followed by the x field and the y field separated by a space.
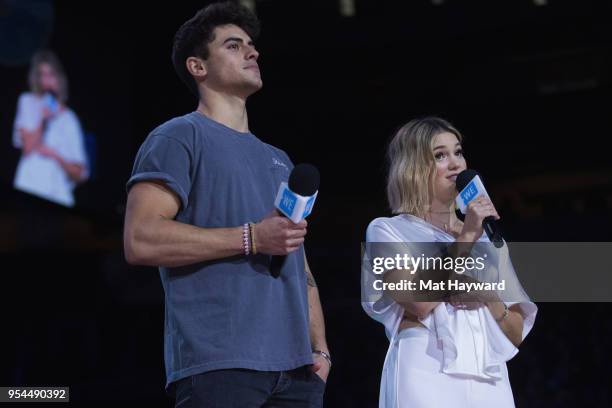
pixel 51 102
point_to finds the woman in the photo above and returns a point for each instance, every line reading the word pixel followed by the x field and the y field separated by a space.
pixel 49 135
pixel 450 351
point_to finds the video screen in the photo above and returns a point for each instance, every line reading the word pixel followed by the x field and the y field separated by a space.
pixel 47 132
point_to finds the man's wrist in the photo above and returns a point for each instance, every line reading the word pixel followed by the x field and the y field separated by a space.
pixel 323 354
pixel 237 239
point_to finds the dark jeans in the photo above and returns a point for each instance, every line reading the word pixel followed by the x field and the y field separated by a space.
pixel 240 388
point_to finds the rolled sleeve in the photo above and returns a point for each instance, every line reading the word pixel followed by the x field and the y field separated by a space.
pixel 166 159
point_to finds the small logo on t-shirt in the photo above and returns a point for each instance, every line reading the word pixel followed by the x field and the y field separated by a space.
pixel 277 162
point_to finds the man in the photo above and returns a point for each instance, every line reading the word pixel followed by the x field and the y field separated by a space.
pixel 235 335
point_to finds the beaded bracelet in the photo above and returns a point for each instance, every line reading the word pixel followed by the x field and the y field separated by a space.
pixel 252 236
pixel 245 239
pixel 324 355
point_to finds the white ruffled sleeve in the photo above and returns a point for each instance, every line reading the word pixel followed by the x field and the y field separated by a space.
pixel 28 116
pixel 514 293
pixel 384 310
pixel 473 342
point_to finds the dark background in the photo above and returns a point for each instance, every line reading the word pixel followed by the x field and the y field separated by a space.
pixel 529 86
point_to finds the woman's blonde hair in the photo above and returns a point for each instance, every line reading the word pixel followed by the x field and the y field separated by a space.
pixel 412 164
pixel 48 57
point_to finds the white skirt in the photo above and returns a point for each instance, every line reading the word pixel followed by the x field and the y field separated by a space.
pixel 412 377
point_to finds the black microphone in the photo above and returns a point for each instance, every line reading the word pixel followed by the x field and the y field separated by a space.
pixel 469 185
pixel 50 101
pixel 304 179
pixel 295 202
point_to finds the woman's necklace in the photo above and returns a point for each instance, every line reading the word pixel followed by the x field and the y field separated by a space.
pixel 444 225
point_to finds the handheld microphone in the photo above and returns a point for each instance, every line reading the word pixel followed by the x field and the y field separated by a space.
pixel 469 185
pixel 295 201
pixel 51 102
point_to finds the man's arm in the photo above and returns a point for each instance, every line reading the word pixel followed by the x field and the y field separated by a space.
pixel 152 236
pixel 317 325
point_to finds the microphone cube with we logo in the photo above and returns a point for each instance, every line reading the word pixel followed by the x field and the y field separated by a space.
pixel 294 206
pixel 472 190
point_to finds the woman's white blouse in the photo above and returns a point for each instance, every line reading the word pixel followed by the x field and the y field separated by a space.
pixel 472 341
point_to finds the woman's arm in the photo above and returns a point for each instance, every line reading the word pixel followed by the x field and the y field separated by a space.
pixel 75 171
pixel 417 302
pixel 29 125
pixel 510 321
pixel 30 139
pixel 421 302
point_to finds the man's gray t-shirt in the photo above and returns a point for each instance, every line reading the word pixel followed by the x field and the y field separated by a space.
pixel 231 312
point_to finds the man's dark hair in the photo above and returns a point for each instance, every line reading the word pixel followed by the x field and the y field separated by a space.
pixel 193 37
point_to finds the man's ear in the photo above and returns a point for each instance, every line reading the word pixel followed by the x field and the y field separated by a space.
pixel 196 67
